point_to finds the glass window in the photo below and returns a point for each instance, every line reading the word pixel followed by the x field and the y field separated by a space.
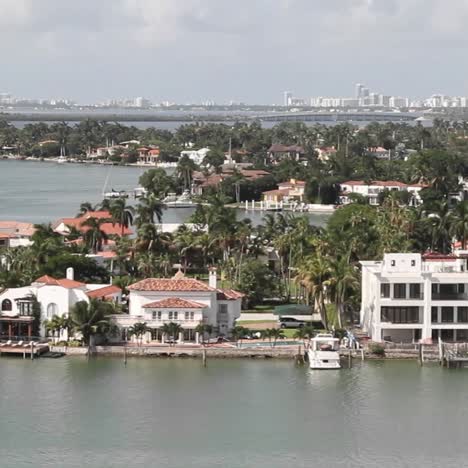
pixel 157 315
pixel 192 315
pixel 7 305
pixel 399 291
pixel 462 315
pixel 434 315
pixel 400 314
pixel 187 315
pixel 393 262
pixel 25 308
pixel 447 314
pixel 385 290
pixel 171 314
pixel 52 309
pixel 176 315
pixel 413 262
pixel 415 291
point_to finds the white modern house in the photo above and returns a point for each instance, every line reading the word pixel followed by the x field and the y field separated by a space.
pixel 372 190
pixel 185 301
pixel 409 297
pixel 197 156
pixel 55 296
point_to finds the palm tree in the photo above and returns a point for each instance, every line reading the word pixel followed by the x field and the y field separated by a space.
pixel 84 208
pixel 239 332
pixel 305 333
pixel 313 274
pixel 171 330
pixel 204 329
pixel 121 214
pixel 138 330
pixel 276 333
pixel 459 223
pixel 94 236
pixel 185 169
pixel 342 283
pixel 147 209
pixel 91 319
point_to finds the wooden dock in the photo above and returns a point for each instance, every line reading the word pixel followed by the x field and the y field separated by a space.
pixel 25 350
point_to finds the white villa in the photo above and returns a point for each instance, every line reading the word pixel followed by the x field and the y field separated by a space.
pixel 371 190
pixel 185 301
pixel 410 297
pixel 55 296
pixel 197 156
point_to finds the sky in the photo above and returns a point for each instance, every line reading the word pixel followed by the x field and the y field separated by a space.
pixel 242 50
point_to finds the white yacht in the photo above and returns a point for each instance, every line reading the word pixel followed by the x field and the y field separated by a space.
pixel 184 201
pixel 324 352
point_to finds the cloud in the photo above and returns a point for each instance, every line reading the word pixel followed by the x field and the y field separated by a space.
pixel 247 49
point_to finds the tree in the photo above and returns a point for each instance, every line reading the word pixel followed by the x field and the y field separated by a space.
pixel 147 209
pixel 185 169
pixel 94 235
pixel 459 223
pixel 121 214
pixel 84 208
pixel 171 331
pixel 157 182
pixel 276 334
pixel 239 332
pixel 91 319
pixel 257 281
pixel 138 330
pixel 204 329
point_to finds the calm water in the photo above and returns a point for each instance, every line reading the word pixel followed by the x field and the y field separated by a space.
pixel 40 192
pixel 262 414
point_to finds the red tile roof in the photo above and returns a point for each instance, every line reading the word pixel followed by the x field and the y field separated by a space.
pixel 165 284
pixel 174 303
pixel 16 228
pixel 47 280
pixel 65 283
pixel 229 295
pixel 436 256
pixel 106 291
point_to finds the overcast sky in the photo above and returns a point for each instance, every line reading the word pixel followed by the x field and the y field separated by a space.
pixel 244 50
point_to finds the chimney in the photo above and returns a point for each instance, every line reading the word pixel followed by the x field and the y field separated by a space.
pixel 213 278
pixel 70 274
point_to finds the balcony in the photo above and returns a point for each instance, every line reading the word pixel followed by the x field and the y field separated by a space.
pixel 449 296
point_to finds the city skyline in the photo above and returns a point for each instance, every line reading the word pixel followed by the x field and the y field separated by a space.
pixel 198 50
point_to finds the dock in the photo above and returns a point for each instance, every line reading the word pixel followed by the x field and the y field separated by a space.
pixel 26 350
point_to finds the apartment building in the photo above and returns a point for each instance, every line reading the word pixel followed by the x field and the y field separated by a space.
pixel 408 297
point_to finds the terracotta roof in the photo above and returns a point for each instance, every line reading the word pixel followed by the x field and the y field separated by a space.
pixel 107 254
pixel 104 292
pixel 16 228
pixel 165 284
pixel 154 151
pixel 65 283
pixel 229 295
pixel 436 256
pixel 176 303
pixel 47 280
pixel 70 284
pixel 276 192
pixel 107 228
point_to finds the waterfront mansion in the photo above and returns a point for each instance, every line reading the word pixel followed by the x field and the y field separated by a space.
pixel 185 301
pixel 55 297
pixel 409 297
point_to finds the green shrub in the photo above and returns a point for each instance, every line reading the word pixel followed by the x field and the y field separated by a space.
pixel 377 349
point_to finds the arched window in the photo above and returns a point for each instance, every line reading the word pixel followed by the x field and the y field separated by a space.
pixel 52 309
pixel 7 305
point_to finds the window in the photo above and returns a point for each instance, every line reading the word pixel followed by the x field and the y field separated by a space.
pixel 170 315
pixel 413 262
pixel 400 314
pixel 189 315
pixel 393 263
pixel 157 315
pixel 25 308
pixel 447 314
pixel 434 315
pixel 222 308
pixel 173 315
pixel 385 290
pixel 399 291
pixel 415 291
pixel 7 305
pixel 52 309
pixel 462 315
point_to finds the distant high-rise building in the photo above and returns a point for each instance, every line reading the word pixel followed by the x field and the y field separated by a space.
pixel 287 98
pixel 358 90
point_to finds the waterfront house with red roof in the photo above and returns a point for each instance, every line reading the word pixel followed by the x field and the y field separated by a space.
pixel 186 301
pixel 56 296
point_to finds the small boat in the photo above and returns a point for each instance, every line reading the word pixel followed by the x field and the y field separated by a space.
pixel 139 192
pixel 324 352
pixel 113 194
pixel 184 201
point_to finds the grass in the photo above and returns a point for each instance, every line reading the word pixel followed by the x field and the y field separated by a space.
pixel 246 323
pixel 289 332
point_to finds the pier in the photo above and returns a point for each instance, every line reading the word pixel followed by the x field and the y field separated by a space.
pixel 26 350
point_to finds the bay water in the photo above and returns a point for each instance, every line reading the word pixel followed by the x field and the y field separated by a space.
pixel 71 412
